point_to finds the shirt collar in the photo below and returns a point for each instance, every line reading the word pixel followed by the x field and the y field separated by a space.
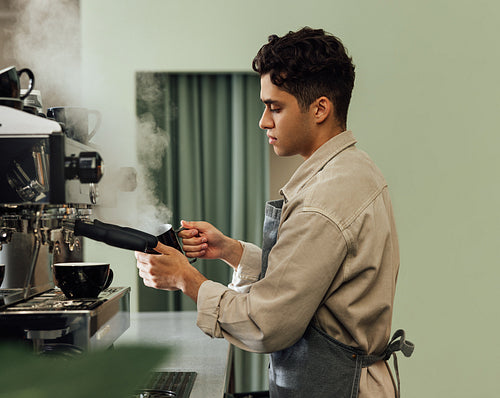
pixel 316 162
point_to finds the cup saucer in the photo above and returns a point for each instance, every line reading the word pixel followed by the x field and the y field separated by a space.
pixel 12 102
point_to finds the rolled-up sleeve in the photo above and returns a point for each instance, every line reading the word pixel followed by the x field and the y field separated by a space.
pixel 210 292
pixel 208 302
pixel 248 269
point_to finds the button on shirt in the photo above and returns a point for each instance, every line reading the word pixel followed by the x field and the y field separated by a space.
pixel 335 263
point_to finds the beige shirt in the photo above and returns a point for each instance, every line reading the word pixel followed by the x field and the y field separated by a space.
pixel 335 262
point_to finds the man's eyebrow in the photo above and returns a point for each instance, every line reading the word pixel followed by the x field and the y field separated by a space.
pixel 269 101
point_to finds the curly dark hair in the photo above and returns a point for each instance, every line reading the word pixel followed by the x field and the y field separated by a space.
pixel 308 64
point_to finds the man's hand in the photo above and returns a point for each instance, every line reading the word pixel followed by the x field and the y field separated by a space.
pixel 170 270
pixel 201 239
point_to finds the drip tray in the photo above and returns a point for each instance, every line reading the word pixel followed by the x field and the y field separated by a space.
pixel 167 385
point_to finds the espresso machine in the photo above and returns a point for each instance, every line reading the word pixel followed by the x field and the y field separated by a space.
pixel 47 180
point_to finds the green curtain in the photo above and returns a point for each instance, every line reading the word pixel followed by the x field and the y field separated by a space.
pixel 215 169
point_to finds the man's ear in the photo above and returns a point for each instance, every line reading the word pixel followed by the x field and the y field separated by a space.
pixel 323 107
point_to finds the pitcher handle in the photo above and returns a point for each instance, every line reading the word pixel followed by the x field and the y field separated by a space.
pixel 32 81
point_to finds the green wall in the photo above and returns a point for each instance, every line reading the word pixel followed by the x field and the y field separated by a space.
pixel 425 107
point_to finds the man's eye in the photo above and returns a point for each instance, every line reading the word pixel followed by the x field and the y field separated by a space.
pixel 274 110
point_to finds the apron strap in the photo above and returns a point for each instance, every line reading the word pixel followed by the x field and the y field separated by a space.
pixel 398 342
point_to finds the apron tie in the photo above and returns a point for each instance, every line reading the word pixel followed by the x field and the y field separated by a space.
pixel 398 343
pixel 406 347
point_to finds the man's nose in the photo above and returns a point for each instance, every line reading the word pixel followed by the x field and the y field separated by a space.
pixel 266 121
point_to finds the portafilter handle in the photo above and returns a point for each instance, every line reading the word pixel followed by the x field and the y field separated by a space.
pixel 113 235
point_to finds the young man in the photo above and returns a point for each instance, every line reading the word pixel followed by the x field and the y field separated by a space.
pixel 319 294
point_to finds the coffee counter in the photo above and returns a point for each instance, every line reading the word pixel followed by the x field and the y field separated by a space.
pixel 191 349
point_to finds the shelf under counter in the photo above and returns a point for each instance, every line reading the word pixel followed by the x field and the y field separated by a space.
pixel 191 349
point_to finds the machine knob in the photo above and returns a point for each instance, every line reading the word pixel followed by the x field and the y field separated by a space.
pixel 87 167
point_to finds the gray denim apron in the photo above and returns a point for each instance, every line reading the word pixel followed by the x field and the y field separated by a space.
pixel 317 365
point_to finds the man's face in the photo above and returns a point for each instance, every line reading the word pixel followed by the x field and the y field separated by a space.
pixel 290 131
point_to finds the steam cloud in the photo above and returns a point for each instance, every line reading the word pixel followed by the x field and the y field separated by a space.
pixel 46 39
pixel 154 142
pixel 123 189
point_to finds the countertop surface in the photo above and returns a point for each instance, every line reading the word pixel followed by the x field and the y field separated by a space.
pixel 192 350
